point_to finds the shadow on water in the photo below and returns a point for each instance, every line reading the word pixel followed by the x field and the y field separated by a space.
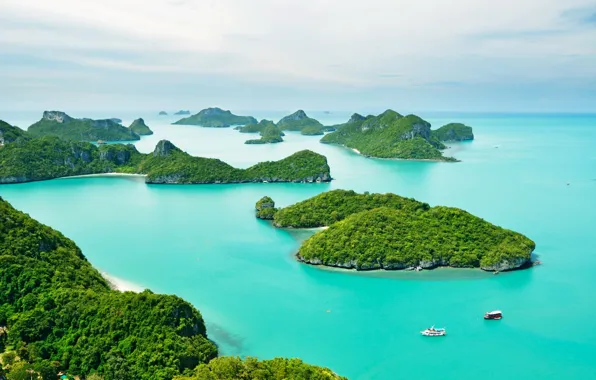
pixel 227 343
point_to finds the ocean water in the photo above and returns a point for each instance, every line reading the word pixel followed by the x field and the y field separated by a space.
pixel 535 174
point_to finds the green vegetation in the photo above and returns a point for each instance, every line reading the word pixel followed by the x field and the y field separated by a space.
pixel 332 206
pixel 386 231
pixel 216 118
pixel 386 238
pixel 390 135
pixel 59 124
pixel 454 132
pixel 140 128
pixel 58 315
pixel 9 134
pixel 233 368
pixel 256 127
pixel 51 157
pixel 312 130
pixel 265 208
pixel 298 121
pixel 269 135
pixel 169 164
pixel 61 315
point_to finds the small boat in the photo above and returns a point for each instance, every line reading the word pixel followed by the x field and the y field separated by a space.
pixel 496 315
pixel 433 332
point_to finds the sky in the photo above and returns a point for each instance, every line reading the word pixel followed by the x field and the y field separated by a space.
pixel 408 55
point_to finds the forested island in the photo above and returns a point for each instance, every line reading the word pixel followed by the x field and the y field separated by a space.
pixel 386 231
pixel 35 159
pixel 299 121
pixel 216 118
pixel 140 128
pixel 182 112
pixel 255 127
pixel 59 124
pixel 162 113
pixel 269 135
pixel 392 135
pixel 58 316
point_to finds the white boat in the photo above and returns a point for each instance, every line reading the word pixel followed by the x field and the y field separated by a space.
pixel 434 332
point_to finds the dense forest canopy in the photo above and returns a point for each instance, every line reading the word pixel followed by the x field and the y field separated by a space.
pixel 50 157
pixel 392 135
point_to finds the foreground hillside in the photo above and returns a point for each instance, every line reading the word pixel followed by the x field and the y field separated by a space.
pixel 386 231
pixel 58 315
pixel 392 135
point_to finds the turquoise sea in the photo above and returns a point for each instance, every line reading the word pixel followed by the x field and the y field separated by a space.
pixel 535 174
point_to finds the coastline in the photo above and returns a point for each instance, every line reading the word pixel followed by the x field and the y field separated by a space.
pixel 105 175
pixel 120 284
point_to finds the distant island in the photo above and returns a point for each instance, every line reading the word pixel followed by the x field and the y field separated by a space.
pixel 386 231
pixel 181 112
pixel 299 121
pixel 116 120
pixel 140 128
pixel 37 159
pixel 255 127
pixel 163 113
pixel 59 124
pixel 392 135
pixel 52 298
pixel 216 118
pixel 269 135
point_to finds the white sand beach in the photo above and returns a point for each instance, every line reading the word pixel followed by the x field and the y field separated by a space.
pixel 122 285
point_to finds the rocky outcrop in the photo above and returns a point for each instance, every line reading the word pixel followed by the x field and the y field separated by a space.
pixel 163 148
pixel 298 115
pixel 59 116
pixel 265 208
pixel 353 264
pixel 117 156
pixel 356 117
pixel 419 129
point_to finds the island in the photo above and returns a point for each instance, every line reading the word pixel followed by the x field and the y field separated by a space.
pixel 9 133
pixel 44 158
pixel 299 121
pixel 255 127
pixel 392 135
pixel 269 135
pixel 59 124
pixel 182 112
pixel 140 128
pixel 386 231
pixel 454 132
pixel 265 208
pixel 59 316
pixel 163 113
pixel 216 118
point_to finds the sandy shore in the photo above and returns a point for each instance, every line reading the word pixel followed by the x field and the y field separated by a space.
pixel 122 285
pixel 356 151
pixel 107 175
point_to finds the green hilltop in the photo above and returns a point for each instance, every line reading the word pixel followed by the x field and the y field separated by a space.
pixel 216 118
pixel 58 315
pixel 59 124
pixel 386 231
pixel 9 134
pixel 299 121
pixel 392 135
pixel 269 135
pixel 140 128
pixel 45 158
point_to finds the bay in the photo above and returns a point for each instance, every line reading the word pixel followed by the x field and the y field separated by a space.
pixel 535 174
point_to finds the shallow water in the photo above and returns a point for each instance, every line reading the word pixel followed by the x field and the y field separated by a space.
pixel 535 174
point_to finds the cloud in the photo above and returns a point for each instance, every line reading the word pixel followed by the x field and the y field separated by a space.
pixel 329 46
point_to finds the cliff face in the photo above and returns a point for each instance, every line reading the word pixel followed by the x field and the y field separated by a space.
pixel 58 116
